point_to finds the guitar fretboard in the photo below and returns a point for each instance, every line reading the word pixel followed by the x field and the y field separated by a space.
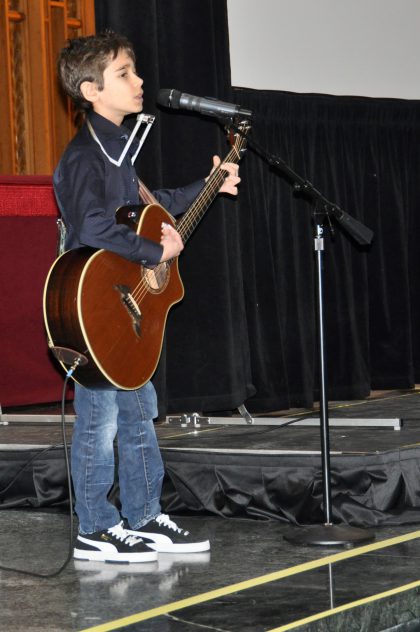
pixel 191 218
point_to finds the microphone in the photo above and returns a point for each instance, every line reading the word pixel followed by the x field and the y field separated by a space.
pixel 204 105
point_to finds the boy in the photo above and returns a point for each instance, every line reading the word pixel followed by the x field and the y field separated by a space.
pixel 90 183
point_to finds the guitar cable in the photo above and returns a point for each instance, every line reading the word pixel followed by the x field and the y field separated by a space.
pixel 69 487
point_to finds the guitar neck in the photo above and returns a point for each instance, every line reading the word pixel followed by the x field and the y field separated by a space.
pixel 191 218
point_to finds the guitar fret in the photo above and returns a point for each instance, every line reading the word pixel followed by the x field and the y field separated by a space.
pixel 196 211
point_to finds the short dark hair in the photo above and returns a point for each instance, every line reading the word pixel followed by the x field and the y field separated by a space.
pixel 85 59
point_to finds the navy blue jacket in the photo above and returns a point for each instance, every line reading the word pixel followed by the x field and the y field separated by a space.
pixel 89 189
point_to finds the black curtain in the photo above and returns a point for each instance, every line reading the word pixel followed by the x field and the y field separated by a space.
pixel 362 154
pixel 246 330
pixel 183 44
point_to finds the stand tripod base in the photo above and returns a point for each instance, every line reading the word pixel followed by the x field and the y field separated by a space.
pixel 329 535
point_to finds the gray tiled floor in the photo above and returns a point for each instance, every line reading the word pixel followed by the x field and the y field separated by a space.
pixel 86 595
pixel 89 594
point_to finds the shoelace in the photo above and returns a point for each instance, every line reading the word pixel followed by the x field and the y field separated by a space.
pixel 164 519
pixel 121 534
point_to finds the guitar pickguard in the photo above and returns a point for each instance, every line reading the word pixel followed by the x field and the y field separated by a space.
pixel 157 278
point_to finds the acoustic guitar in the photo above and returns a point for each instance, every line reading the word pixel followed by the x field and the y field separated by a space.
pixel 114 311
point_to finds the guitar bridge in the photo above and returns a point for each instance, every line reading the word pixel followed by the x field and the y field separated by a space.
pixel 131 306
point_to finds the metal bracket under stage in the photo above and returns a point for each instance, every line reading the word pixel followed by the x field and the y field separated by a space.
pixel 195 420
pixel 45 418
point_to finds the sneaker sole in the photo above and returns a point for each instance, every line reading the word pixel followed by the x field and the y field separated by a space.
pixel 168 547
pixel 125 558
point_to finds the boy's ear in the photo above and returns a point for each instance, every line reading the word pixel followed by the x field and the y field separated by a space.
pixel 90 90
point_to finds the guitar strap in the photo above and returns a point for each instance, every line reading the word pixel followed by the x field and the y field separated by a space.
pixel 146 196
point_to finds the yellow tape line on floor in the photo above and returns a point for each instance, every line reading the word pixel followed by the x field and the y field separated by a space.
pixel 347 606
pixel 250 583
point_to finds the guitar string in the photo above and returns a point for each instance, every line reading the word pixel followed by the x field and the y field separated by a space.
pixel 213 185
pixel 147 197
pixel 143 287
pixel 188 223
pixel 190 220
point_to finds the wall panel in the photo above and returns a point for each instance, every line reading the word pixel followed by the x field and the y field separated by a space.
pixel 36 119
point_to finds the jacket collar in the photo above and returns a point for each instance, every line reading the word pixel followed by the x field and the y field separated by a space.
pixel 106 128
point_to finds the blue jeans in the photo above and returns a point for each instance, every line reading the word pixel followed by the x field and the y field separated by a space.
pixel 101 416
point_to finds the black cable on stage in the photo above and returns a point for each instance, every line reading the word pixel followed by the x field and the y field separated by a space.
pixel 66 458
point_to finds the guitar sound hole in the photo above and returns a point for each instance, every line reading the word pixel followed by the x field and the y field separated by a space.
pixel 156 278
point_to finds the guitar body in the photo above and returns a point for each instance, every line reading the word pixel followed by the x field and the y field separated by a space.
pixel 111 310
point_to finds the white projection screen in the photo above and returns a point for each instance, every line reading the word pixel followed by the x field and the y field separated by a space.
pixel 339 47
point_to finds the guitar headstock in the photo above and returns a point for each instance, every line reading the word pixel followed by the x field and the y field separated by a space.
pixel 237 133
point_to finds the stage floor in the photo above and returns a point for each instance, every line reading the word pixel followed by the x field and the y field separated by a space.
pixel 268 469
pixel 381 411
pixel 220 476
pixel 386 421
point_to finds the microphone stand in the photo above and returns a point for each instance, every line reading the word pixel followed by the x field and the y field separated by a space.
pixel 327 534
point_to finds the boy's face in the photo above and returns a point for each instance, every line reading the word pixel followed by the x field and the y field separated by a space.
pixel 122 93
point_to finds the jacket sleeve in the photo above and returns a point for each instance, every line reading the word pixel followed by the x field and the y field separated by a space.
pixel 177 201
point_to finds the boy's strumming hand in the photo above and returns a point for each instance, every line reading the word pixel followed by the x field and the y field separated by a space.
pixel 231 181
pixel 171 241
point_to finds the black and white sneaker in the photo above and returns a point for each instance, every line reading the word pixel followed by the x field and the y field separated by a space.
pixel 163 535
pixel 113 545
